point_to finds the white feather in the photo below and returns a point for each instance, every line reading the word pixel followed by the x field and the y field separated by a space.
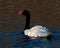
pixel 37 31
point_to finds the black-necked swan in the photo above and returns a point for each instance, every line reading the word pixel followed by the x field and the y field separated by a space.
pixel 35 31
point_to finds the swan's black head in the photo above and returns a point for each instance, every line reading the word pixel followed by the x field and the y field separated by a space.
pixel 24 12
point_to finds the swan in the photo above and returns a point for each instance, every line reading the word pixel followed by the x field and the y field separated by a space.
pixel 36 31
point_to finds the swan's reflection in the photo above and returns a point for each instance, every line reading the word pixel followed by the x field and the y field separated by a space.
pixel 38 43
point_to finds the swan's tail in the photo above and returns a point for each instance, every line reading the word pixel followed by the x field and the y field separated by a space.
pixel 49 37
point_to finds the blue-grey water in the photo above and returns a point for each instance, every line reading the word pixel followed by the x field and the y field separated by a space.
pixel 16 39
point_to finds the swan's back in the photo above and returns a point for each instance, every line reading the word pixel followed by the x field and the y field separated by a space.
pixel 39 28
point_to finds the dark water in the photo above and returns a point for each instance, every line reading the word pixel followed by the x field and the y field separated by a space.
pixel 16 39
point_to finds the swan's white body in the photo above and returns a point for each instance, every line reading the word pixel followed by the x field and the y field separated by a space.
pixel 37 31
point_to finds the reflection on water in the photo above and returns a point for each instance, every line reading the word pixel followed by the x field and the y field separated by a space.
pixel 16 39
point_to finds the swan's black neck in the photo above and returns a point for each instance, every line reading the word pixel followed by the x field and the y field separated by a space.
pixel 27 24
pixel 26 13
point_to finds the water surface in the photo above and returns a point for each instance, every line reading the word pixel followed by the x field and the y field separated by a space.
pixel 16 39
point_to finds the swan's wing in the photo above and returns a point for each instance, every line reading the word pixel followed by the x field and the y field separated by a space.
pixel 40 31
